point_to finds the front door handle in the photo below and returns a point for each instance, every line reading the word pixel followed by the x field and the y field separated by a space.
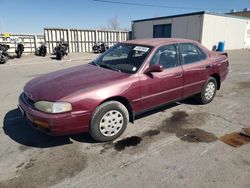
pixel 177 75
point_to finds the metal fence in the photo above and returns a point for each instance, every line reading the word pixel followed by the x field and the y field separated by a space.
pixel 82 40
pixel 30 42
pixel 79 40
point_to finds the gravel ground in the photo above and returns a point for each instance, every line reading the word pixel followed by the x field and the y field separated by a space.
pixel 175 146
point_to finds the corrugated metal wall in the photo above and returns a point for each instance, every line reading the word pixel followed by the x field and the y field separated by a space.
pixel 82 40
pixel 30 42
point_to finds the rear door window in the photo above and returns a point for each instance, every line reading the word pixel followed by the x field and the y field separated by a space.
pixel 191 53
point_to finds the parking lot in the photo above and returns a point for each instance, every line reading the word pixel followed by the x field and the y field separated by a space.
pixel 175 146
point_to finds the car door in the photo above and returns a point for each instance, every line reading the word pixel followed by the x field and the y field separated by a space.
pixel 196 66
pixel 162 87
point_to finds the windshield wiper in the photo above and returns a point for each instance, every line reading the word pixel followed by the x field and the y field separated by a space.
pixel 109 67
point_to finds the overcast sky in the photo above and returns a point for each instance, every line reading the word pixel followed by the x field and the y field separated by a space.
pixel 31 16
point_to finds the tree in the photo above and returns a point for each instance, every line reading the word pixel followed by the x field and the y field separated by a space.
pixel 113 23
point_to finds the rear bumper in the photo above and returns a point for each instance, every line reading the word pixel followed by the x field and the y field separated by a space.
pixel 55 124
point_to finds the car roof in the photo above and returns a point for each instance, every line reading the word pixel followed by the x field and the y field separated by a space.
pixel 154 42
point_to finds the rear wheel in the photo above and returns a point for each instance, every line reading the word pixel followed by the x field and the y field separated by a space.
pixel 109 121
pixel 208 92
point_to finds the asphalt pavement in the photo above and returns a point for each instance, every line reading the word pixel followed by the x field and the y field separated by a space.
pixel 175 146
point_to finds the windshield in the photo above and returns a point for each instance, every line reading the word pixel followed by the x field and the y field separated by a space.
pixel 126 58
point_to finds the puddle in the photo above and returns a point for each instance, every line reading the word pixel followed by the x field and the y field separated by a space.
pixel 195 135
pixel 235 139
pixel 48 167
pixel 127 142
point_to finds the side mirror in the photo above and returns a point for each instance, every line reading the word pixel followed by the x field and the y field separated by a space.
pixel 154 68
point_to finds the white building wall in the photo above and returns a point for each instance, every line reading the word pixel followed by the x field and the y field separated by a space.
pixel 142 29
pixel 208 29
pixel 247 35
pixel 189 27
pixel 182 27
pixel 231 30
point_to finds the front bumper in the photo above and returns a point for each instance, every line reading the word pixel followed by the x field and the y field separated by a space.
pixel 55 124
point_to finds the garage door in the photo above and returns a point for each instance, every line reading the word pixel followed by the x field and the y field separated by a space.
pixel 162 31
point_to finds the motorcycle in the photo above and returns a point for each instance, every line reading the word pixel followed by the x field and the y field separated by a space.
pixel 19 50
pixel 60 50
pixel 4 55
pixel 42 50
pixel 100 48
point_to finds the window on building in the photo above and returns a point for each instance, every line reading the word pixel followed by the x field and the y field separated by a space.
pixel 162 31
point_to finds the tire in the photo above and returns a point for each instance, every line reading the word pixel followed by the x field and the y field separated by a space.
pixel 104 127
pixel 208 92
pixel 58 56
pixel 3 61
pixel 18 54
pixel 44 53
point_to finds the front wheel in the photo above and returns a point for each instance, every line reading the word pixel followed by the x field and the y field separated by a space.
pixel 3 60
pixel 44 53
pixel 18 54
pixel 208 92
pixel 58 56
pixel 109 121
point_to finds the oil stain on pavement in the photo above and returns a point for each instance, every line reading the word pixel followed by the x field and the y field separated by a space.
pixel 127 142
pixel 179 124
pixel 48 167
pixel 195 135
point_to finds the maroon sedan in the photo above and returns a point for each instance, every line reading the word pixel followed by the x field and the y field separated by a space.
pixel 130 78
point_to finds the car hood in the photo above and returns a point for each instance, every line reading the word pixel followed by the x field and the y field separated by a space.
pixel 60 84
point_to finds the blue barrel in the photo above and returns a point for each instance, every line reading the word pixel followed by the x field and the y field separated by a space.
pixel 221 46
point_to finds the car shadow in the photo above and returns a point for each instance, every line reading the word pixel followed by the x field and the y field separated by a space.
pixel 188 101
pixel 153 111
pixel 19 130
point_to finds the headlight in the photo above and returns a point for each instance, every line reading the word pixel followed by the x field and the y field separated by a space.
pixel 53 107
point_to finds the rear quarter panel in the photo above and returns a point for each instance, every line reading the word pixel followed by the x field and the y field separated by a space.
pixel 221 64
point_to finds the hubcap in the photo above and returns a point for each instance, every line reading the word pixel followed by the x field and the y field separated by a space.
pixel 111 123
pixel 209 91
